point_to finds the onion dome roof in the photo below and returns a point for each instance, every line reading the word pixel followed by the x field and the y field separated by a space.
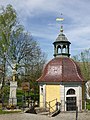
pixel 61 69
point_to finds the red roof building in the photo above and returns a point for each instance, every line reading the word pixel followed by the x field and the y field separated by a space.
pixel 61 78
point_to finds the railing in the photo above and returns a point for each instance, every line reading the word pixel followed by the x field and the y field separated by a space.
pixel 70 105
pixel 51 105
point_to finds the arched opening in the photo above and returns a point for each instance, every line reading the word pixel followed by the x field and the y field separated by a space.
pixel 71 92
pixel 64 48
pixel 59 49
pixel 70 100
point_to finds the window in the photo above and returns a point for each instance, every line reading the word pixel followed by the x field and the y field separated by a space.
pixel 41 89
pixel 71 92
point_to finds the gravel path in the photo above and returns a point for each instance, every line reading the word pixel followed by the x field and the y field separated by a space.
pixel 61 116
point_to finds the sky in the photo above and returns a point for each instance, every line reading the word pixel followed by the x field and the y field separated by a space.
pixel 39 18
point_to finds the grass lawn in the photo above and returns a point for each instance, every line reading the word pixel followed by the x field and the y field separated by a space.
pixel 88 106
pixel 9 111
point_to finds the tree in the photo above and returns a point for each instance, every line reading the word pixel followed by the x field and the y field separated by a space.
pixel 19 46
pixel 83 60
pixel 28 55
pixel 8 23
pixel 85 57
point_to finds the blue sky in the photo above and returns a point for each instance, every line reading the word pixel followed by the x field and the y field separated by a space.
pixel 39 18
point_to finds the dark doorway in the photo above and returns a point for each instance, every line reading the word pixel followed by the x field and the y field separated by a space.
pixel 70 103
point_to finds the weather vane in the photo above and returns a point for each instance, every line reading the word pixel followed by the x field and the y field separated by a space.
pixel 61 19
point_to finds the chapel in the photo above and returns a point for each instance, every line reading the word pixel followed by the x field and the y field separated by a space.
pixel 61 80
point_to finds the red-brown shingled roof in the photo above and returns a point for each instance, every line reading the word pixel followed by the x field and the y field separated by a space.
pixel 61 69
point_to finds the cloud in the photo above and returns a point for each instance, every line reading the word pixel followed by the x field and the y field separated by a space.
pixel 38 17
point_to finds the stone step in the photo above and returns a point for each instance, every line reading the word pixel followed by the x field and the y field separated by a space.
pixel 43 113
pixel 41 110
pixel 55 113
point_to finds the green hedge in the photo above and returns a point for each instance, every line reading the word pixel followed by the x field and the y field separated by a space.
pixel 7 112
pixel 26 95
pixel 88 104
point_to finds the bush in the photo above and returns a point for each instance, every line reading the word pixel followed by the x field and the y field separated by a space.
pixel 23 97
pixel 88 101
pixel 11 107
pixel 88 104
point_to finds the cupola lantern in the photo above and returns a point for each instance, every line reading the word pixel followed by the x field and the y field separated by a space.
pixel 61 45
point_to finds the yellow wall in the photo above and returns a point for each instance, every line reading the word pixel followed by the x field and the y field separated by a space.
pixel 52 92
pixel 41 100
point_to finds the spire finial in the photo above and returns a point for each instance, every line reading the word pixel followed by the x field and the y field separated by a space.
pixel 61 19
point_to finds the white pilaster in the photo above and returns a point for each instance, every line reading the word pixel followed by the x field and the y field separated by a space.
pixel 12 96
pixel 62 97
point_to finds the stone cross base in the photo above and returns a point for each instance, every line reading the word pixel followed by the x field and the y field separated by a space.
pixel 12 101
pixel 12 96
